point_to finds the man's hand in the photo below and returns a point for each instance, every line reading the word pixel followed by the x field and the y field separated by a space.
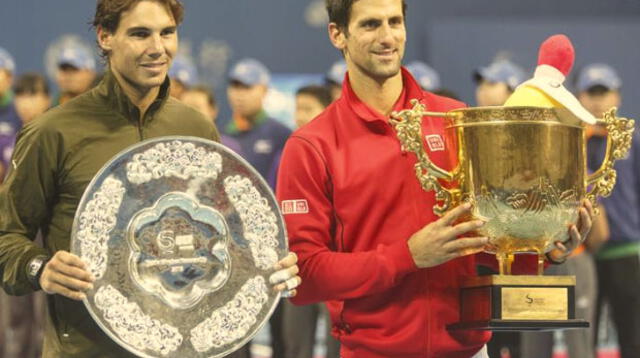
pixel 438 242
pixel 577 234
pixel 286 277
pixel 65 274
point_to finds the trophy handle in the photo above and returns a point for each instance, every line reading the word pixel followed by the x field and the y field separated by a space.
pixel 408 126
pixel 620 133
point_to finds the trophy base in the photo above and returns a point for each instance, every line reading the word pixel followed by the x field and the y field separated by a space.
pixel 509 325
pixel 518 303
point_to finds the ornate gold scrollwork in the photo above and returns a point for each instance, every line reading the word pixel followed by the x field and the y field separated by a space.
pixel 618 145
pixel 408 126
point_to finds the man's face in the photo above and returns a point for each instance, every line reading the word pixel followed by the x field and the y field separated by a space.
pixel 307 108
pixel 492 93
pixel 31 105
pixel 143 46
pixel 6 80
pixel 375 41
pixel 199 101
pixel 74 81
pixel 246 101
pixel 599 103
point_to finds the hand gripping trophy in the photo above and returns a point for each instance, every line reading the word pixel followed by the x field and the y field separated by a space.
pixel 522 167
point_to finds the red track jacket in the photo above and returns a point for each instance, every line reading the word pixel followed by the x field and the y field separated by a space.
pixel 351 201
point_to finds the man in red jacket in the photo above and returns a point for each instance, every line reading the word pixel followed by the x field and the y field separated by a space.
pixel 356 214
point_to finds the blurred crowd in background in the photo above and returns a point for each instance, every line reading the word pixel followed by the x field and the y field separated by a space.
pixel 261 109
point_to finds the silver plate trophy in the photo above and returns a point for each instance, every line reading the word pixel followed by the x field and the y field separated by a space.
pixel 181 235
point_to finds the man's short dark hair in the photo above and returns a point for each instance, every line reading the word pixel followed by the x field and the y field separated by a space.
pixel 321 93
pixel 340 11
pixel 31 83
pixel 109 12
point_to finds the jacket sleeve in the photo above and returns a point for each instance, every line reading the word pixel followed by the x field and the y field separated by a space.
pixel 26 198
pixel 305 194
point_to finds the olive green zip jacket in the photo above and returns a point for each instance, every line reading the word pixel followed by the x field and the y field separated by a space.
pixel 55 158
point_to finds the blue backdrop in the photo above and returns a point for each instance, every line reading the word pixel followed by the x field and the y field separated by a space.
pixel 289 36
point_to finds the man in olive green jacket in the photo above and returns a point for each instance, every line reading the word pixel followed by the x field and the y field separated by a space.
pixel 57 155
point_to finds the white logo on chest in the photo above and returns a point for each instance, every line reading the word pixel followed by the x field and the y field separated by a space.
pixel 300 206
pixel 263 146
pixel 435 142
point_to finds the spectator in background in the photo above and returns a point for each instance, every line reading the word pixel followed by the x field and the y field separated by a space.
pixel 618 260
pixel 10 123
pixel 598 91
pixel 496 82
pixel 300 322
pixel 429 79
pixel 425 75
pixel 183 75
pixel 334 77
pixel 201 98
pixel 21 316
pixel 76 72
pixel 311 101
pixel 261 140
pixel 32 96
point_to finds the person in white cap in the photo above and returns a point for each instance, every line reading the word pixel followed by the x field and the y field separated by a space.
pixel 618 260
pixel 261 141
pixel 75 72
pixel 9 121
pixel 496 82
pixel 183 75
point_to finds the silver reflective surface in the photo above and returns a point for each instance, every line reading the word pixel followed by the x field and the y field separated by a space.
pixel 181 235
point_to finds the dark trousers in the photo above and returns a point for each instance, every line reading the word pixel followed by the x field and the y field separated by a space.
pixel 619 285
pixel 21 325
pixel 300 329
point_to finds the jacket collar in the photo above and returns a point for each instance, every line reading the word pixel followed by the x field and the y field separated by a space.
pixel 410 90
pixel 111 91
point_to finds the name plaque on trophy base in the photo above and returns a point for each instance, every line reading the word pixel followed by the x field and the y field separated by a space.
pixel 518 303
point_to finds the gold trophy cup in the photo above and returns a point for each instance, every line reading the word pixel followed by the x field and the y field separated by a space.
pixel 523 169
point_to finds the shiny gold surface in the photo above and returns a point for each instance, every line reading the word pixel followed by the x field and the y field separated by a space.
pixel 519 280
pixel 522 168
pixel 620 132
pixel 535 303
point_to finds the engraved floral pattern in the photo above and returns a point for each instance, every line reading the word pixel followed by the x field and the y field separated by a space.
pixel 173 159
pixel 96 223
pixel 259 222
pixel 234 320
pixel 133 326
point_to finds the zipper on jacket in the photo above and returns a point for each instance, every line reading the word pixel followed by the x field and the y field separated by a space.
pixel 140 133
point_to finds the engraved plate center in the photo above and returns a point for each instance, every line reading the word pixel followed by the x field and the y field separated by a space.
pixel 179 250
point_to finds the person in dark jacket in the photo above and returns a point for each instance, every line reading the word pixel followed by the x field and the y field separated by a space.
pixel 57 156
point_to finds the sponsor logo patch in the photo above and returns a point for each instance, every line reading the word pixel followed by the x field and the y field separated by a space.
pixel 300 206
pixel 263 146
pixel 435 142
